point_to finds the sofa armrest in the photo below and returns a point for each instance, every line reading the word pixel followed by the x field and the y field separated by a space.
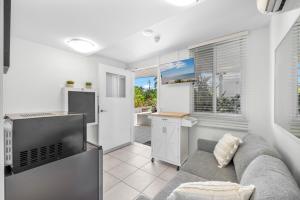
pixel 206 145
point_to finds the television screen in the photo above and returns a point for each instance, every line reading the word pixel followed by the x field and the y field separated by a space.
pixel 178 72
pixel 82 102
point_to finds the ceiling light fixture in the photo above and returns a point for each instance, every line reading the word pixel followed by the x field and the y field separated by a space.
pixel 82 45
pixel 148 33
pixel 182 2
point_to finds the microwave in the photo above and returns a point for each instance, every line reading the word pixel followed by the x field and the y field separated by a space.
pixel 35 139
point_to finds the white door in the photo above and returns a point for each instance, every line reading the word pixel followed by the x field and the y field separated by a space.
pixel 115 106
pixel 173 146
pixel 158 138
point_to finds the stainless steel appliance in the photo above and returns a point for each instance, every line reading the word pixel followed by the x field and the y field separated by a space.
pixel 78 177
pixel 34 139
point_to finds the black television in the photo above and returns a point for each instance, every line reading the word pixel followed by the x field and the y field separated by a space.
pixel 6 34
pixel 82 101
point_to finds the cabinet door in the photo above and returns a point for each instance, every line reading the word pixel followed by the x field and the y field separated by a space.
pixel 158 139
pixel 172 141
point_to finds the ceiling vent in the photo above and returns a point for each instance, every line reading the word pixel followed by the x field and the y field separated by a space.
pixel 274 6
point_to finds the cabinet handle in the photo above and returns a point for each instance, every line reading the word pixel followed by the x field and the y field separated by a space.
pixel 165 119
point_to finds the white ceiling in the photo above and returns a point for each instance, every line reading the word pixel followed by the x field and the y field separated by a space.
pixel 116 26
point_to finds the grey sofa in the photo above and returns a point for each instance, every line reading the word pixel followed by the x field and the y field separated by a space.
pixel 255 163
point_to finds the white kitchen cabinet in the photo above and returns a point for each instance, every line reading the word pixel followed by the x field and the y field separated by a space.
pixel 169 139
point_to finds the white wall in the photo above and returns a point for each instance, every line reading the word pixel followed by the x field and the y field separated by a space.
pixel 258 77
pixel 38 73
pixel 174 98
pixel 288 144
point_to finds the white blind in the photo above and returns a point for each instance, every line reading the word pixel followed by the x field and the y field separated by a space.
pixel 218 89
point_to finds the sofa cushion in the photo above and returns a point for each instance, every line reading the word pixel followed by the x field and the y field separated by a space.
pixel 204 164
pixel 181 177
pixel 252 147
pixel 271 178
pixel 212 190
pixel 226 148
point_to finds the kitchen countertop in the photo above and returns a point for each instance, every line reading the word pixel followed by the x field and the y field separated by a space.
pixel 170 114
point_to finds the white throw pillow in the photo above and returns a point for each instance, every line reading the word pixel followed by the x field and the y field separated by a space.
pixel 226 148
pixel 212 190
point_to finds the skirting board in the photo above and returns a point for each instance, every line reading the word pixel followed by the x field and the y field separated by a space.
pixel 116 148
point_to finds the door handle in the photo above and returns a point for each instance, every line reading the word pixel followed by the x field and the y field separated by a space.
pixel 103 111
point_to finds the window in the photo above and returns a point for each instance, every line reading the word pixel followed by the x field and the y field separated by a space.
pixel 145 88
pixel 115 85
pixel 219 76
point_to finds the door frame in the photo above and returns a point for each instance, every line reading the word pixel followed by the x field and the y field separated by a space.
pixel 157 95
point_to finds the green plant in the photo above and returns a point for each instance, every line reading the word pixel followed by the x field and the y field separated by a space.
pixel 69 82
pixel 145 97
pixel 203 99
pixel 88 84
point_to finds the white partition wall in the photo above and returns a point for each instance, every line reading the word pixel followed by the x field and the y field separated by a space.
pixel 1 107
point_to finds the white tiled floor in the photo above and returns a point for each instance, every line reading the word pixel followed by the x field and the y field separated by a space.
pixel 128 172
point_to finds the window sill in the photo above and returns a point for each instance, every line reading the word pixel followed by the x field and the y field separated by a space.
pixel 294 126
pixel 222 120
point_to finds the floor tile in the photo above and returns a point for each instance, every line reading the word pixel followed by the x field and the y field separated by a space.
pixel 116 152
pixel 145 153
pixel 121 191
pixel 129 147
pixel 135 149
pixel 142 145
pixel 155 168
pixel 109 181
pixel 122 171
pixel 168 174
pixel 122 155
pixel 154 188
pixel 106 156
pixel 142 194
pixel 139 180
pixel 110 162
pixel 141 149
pixel 138 161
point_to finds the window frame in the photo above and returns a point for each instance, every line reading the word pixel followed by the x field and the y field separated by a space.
pixel 242 113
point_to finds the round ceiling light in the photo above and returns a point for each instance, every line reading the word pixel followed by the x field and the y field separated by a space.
pixel 82 45
pixel 182 2
pixel 148 32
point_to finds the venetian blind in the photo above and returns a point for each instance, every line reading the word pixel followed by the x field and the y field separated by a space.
pixel 218 89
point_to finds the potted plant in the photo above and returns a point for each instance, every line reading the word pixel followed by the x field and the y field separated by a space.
pixel 88 85
pixel 70 83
